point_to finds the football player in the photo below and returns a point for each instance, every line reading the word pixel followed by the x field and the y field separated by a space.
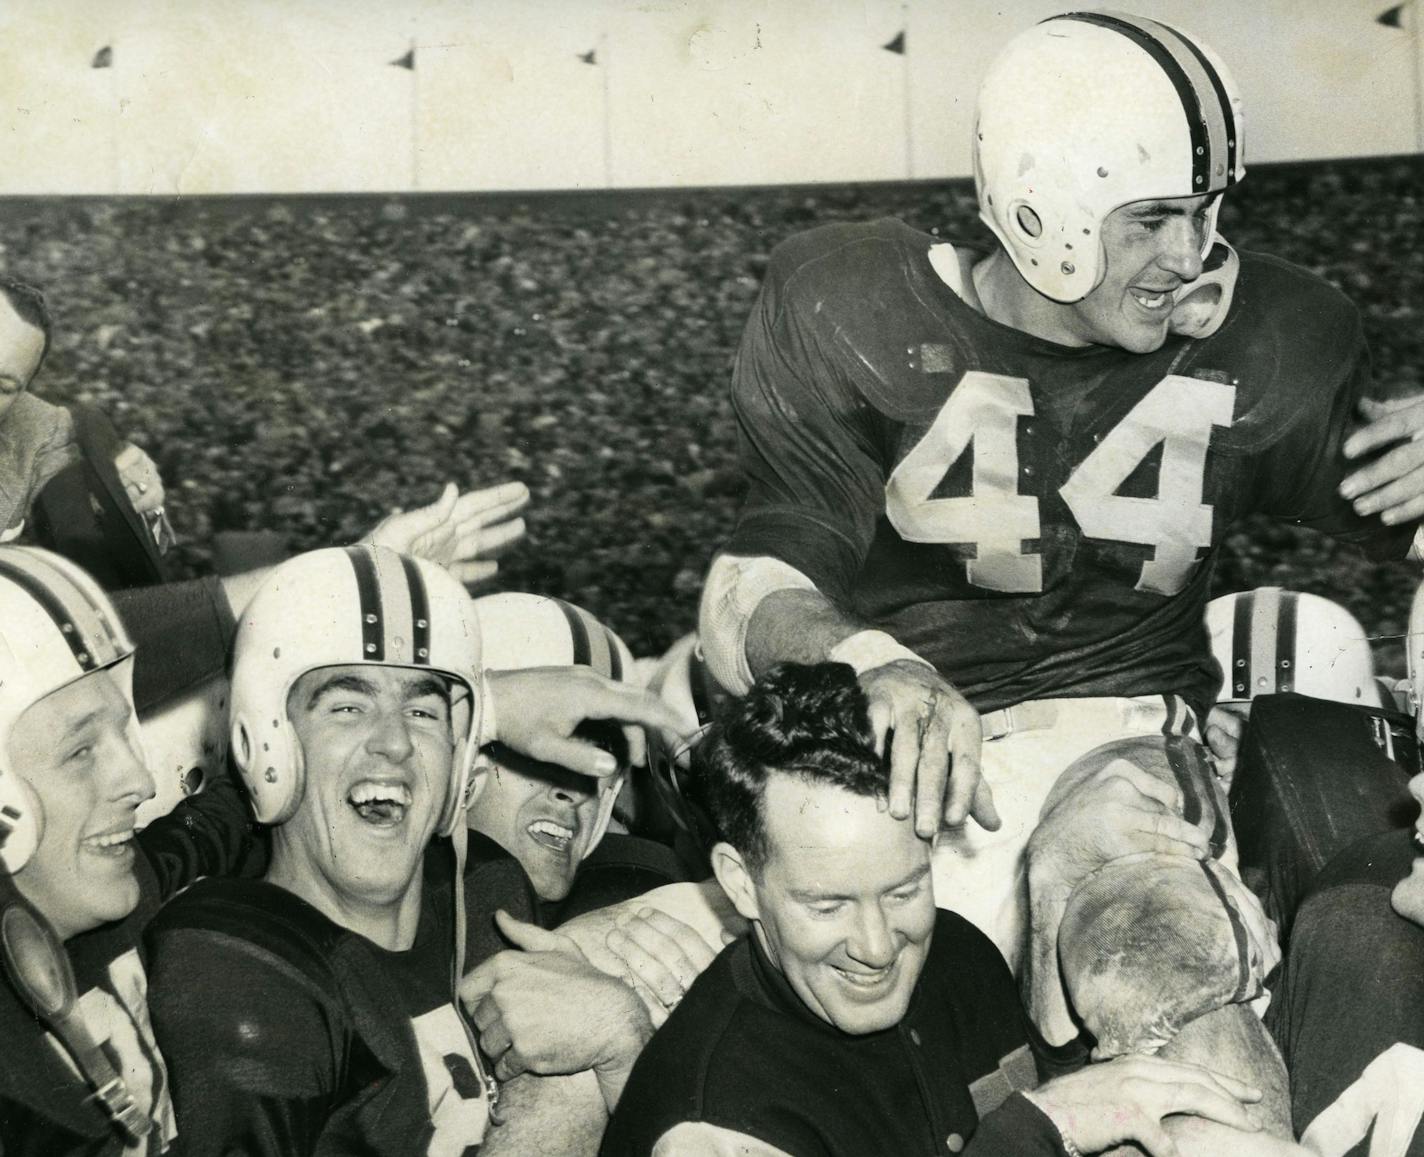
pixel 83 1074
pixel 312 1010
pixel 993 481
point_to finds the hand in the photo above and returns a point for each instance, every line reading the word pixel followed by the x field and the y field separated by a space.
pixel 462 532
pixel 1225 725
pixel 935 745
pixel 662 955
pixel 140 478
pixel 1119 810
pixel 537 709
pixel 546 1010
pixel 1125 1100
pixel 1392 486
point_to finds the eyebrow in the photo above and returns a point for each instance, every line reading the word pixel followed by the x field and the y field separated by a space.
pixel 1170 209
pixel 426 685
pixel 826 897
pixel 353 683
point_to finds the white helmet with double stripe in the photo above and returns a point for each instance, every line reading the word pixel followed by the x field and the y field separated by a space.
pixel 56 626
pixel 524 630
pixel 342 606
pixel 1087 112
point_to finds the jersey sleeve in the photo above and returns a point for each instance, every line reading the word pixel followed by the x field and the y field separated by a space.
pixel 815 480
pixel 208 834
pixel 1302 472
pixel 252 1050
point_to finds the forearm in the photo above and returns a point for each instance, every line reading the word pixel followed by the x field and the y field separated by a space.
pixel 795 626
pixel 564 1115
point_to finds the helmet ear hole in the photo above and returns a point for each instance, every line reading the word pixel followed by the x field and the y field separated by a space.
pixel 242 746
pixel 1028 222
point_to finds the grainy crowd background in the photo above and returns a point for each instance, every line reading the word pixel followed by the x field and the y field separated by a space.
pixel 302 365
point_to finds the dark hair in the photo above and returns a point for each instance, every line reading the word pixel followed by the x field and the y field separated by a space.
pixel 808 721
pixel 29 303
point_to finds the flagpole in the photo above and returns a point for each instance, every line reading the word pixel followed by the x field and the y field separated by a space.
pixel 114 120
pixel 607 114
pixel 905 75
pixel 414 120
pixel 1416 19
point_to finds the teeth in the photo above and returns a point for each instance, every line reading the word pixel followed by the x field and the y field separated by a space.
pixel 368 792
pixel 1150 302
pixel 110 841
pixel 550 828
pixel 864 979
pixel 1419 840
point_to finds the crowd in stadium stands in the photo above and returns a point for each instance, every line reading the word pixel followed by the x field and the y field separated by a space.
pixel 363 351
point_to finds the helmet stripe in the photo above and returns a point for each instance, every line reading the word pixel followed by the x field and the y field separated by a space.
pixel 419 610
pixel 1228 111
pixel 578 631
pixel 368 593
pixel 85 628
pixel 1238 678
pixel 1285 641
pixel 700 681
pixel 1192 108
pixel 615 660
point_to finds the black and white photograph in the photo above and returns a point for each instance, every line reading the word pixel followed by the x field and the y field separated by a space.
pixel 711 578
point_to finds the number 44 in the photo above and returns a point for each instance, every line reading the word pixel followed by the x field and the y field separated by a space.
pixel 995 519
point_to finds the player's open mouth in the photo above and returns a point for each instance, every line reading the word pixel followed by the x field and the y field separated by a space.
pixel 380 804
pixel 114 844
pixel 1153 302
pixel 551 835
pixel 1417 837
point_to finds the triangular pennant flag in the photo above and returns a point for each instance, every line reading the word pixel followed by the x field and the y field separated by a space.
pixel 406 61
pixel 104 58
pixel 589 57
pixel 1392 18
pixel 897 46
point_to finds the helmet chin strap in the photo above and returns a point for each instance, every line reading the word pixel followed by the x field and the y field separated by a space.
pixel 39 969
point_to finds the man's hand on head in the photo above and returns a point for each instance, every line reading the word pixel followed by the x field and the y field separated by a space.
pixel 934 739
pixel 543 1008
pixel 1391 486
pixel 464 533
pixel 537 710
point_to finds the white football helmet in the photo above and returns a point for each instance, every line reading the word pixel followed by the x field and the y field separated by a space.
pixel 335 607
pixel 1087 112
pixel 1270 640
pixel 522 631
pixel 56 626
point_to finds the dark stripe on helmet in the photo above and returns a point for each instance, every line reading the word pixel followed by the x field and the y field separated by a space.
pixel 578 631
pixel 368 593
pixel 1186 92
pixel 1238 678
pixel 615 660
pixel 1238 934
pixel 52 606
pixel 1228 113
pixel 419 611
pixel 699 678
pixel 1285 641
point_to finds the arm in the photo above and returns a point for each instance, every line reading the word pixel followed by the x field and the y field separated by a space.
pixel 208 834
pixel 539 1115
pixel 249 1049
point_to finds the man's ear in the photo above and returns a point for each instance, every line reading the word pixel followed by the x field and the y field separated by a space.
pixel 736 880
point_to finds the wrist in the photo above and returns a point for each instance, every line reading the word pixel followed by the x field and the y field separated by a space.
pixel 866 650
pixel 613 1071
pixel 1070 1149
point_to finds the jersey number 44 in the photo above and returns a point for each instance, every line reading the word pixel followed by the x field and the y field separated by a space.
pixel 997 519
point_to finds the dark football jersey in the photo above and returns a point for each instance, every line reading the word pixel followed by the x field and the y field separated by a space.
pixel 46 1109
pixel 287 1033
pixel 1037 520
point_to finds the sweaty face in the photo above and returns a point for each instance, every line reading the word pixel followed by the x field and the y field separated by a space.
pixel 541 814
pixel 378 753
pixel 844 902
pixel 75 750
pixel 1408 896
pixel 21 345
pixel 1150 250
